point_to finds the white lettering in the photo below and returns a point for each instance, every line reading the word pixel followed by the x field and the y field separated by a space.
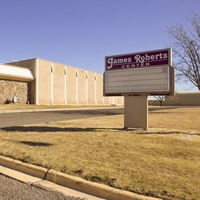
pixel 110 61
pixel 129 66
pixel 138 61
pixel 119 61
pixel 141 59
pixel 138 58
pixel 165 55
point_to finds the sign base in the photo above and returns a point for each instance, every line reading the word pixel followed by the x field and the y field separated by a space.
pixel 136 112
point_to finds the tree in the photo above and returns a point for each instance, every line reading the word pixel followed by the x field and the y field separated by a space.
pixel 160 98
pixel 186 50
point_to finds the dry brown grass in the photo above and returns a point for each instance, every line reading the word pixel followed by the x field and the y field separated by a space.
pixel 163 162
pixel 177 118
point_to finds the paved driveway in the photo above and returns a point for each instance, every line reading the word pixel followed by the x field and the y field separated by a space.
pixel 35 117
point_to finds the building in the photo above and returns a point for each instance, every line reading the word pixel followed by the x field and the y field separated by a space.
pixel 42 82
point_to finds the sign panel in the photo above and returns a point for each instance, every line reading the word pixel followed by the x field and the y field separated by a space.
pixel 145 73
pixel 137 60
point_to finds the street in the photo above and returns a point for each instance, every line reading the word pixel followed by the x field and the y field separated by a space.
pixel 36 117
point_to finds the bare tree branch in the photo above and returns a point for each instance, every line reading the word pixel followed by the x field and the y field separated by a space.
pixel 160 98
pixel 186 50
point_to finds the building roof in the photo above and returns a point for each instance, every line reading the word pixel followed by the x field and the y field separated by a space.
pixel 15 73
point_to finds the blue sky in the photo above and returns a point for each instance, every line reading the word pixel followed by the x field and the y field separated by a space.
pixel 82 32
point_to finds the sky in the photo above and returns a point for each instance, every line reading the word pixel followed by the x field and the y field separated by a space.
pixel 81 33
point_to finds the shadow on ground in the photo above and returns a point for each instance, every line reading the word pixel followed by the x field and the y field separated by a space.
pixel 40 144
pixel 51 129
pixel 43 129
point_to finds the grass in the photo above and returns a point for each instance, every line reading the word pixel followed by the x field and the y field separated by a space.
pixel 162 162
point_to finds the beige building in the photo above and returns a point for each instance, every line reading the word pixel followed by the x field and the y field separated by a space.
pixel 51 83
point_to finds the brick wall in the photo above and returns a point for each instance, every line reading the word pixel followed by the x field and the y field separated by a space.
pixel 9 88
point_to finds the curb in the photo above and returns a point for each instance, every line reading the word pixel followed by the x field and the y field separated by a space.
pixel 72 182
pixel 29 169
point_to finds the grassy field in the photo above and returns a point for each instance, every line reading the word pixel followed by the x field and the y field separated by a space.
pixel 161 162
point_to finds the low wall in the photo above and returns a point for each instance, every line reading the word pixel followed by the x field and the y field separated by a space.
pixel 179 99
pixel 9 89
pixel 184 99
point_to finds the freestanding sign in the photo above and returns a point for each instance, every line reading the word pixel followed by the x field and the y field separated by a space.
pixel 135 76
pixel 149 73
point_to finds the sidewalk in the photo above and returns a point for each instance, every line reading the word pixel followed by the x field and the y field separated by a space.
pixel 45 184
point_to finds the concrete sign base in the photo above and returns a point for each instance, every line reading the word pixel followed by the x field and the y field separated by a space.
pixel 136 112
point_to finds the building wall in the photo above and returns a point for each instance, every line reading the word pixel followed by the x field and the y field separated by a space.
pixel 71 86
pixel 91 88
pixel 10 88
pixel 99 85
pixel 31 64
pixel 59 84
pixel 81 87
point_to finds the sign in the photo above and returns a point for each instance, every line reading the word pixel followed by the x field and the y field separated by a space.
pixel 154 58
pixel 144 73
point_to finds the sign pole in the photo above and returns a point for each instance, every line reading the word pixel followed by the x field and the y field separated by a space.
pixel 136 112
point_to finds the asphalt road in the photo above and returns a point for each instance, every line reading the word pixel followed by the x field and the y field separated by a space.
pixel 36 117
pixel 11 189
